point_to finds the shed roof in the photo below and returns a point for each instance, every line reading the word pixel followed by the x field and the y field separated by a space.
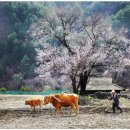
pixel 102 84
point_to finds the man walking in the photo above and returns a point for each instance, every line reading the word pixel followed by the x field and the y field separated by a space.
pixel 115 98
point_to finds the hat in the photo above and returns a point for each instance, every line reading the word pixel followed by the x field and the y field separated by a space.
pixel 113 91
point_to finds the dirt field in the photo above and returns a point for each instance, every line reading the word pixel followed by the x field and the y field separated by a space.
pixel 14 114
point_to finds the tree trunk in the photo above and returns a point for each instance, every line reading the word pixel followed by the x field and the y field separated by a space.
pixel 74 86
pixel 83 82
pixel 84 77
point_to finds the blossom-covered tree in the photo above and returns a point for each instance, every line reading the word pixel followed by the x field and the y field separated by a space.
pixel 84 43
pixel 57 25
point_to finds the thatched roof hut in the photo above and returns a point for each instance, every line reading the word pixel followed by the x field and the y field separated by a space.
pixel 102 84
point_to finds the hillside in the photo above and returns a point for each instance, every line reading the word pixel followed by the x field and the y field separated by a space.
pixel 18 56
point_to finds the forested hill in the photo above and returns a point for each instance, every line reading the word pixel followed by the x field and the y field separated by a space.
pixel 17 54
pixel 106 8
pixel 17 47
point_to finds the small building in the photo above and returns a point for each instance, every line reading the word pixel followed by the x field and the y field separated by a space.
pixel 101 84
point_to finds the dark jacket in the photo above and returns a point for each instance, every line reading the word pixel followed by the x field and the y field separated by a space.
pixel 115 99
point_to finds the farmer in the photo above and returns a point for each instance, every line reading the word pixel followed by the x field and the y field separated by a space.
pixel 115 98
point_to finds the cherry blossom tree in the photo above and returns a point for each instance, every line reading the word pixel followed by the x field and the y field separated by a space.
pixel 84 43
pixel 57 25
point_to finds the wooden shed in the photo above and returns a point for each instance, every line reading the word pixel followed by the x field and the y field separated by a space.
pixel 101 84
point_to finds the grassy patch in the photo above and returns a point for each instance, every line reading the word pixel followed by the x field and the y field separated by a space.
pixel 124 102
pixel 3 89
pixel 25 89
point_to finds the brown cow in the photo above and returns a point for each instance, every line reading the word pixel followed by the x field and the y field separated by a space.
pixel 63 100
pixel 34 102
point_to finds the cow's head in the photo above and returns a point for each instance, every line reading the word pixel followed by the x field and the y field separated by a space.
pixel 27 102
pixel 47 99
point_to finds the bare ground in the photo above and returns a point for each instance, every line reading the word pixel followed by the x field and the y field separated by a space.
pixel 14 114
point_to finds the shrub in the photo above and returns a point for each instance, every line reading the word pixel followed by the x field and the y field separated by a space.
pixel 82 100
pixel 25 88
pixel 89 98
pixel 3 89
pixel 85 100
pixel 101 95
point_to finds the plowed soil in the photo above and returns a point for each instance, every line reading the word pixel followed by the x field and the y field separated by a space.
pixel 14 114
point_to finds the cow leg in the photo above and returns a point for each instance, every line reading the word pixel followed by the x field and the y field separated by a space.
pixel 34 109
pixel 61 111
pixel 71 108
pixel 77 108
pixel 58 109
pixel 55 111
pixel 40 108
pixel 31 109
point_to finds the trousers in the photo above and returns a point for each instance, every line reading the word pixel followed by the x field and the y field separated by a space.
pixel 114 106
